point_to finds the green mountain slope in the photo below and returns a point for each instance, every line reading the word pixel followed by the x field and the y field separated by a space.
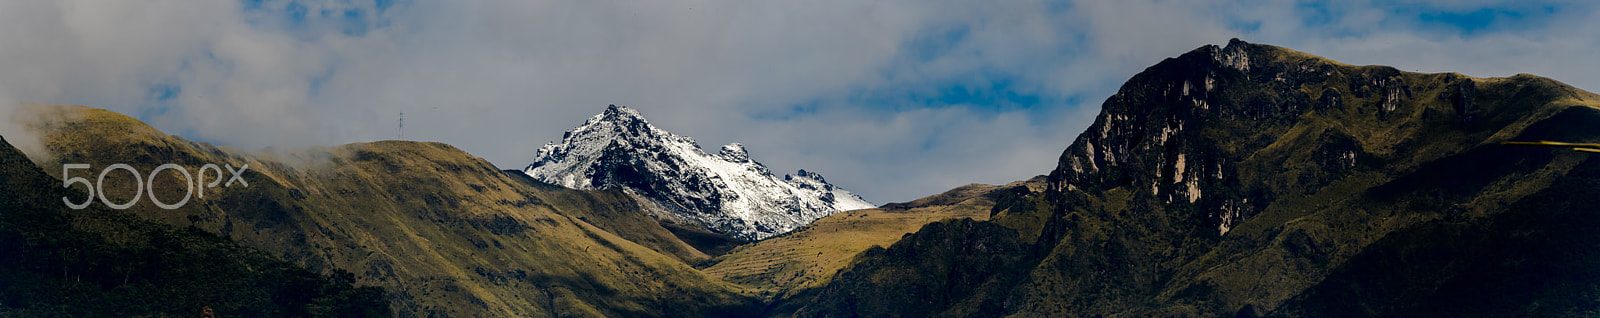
pixel 793 264
pixel 615 212
pixel 1538 264
pixel 1255 180
pixel 100 263
pixel 444 232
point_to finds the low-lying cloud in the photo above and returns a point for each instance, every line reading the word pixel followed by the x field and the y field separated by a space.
pixel 852 89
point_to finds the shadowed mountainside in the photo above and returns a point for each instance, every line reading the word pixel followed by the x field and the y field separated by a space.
pixel 1250 180
pixel 100 263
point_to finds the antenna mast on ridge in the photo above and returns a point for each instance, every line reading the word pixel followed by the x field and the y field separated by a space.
pixel 402 125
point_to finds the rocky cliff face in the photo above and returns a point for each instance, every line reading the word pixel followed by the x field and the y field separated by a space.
pixel 725 192
pixel 1184 129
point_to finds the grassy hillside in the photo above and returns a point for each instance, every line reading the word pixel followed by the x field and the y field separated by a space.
pixel 1538 264
pixel 788 266
pixel 615 212
pixel 101 263
pixel 444 232
pixel 1254 180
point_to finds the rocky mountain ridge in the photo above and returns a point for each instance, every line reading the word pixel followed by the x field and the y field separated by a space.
pixel 726 192
pixel 1248 180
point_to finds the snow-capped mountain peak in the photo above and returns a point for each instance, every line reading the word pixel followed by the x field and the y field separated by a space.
pixel 726 192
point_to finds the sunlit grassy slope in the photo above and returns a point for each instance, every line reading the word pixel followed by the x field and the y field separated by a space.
pixel 613 211
pixel 444 232
pixel 807 258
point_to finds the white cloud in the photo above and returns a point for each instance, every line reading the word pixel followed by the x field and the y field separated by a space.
pixel 497 79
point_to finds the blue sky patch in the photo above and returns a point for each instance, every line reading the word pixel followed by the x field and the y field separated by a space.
pixel 164 92
pixel 1489 19
pixel 350 18
pixel 998 95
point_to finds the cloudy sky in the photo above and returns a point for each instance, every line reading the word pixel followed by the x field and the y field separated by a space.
pixel 892 99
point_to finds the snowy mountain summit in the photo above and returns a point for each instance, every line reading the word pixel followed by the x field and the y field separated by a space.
pixel 725 192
